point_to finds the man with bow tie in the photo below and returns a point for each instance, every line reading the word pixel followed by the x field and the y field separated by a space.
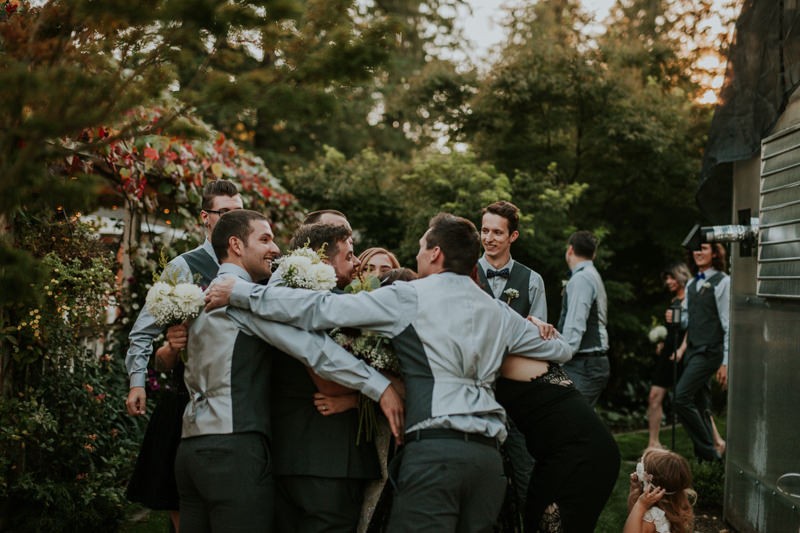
pixel 707 337
pixel 499 275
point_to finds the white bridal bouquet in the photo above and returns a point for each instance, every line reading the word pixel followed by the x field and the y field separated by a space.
pixel 172 304
pixel 303 269
pixel 657 334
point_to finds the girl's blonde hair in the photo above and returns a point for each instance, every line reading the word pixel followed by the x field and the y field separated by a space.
pixel 671 472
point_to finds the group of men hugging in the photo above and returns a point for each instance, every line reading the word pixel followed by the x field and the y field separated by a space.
pixel 264 441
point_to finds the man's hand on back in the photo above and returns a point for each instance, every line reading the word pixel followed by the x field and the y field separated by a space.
pixel 219 293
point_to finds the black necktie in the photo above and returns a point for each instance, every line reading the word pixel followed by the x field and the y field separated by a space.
pixel 492 273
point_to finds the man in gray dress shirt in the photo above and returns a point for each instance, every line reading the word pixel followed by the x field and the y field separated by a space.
pixel 223 464
pixel 707 338
pixel 450 337
pixel 583 318
pixel 219 197
pixel 498 272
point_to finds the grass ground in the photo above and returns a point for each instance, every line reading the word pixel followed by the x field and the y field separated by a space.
pixel 631 445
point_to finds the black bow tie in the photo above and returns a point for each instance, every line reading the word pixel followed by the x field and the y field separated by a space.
pixel 699 276
pixel 492 273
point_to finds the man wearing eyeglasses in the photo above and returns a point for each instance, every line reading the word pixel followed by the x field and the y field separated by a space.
pixel 152 483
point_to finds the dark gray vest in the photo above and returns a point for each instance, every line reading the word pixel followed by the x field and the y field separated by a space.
pixel 203 266
pixel 228 379
pixel 591 337
pixel 519 279
pixel 705 328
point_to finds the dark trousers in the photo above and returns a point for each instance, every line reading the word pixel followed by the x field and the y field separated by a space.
pixel 225 483
pixel 447 485
pixel 589 374
pixel 310 504
pixel 693 400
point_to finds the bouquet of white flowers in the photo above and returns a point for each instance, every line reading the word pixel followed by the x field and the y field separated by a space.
pixel 172 304
pixel 303 269
pixel 657 334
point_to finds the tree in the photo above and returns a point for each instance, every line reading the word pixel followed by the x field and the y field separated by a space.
pixel 614 112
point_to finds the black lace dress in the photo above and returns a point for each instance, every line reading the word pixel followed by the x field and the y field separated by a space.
pixel 577 459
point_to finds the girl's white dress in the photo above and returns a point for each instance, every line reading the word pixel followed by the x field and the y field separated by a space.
pixel 655 515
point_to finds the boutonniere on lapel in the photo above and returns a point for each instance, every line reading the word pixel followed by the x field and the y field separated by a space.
pixel 564 286
pixel 704 286
pixel 510 294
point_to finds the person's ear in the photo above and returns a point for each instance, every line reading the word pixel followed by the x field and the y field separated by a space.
pixel 513 237
pixel 235 246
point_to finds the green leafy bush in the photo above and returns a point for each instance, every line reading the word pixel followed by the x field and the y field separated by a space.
pixel 66 444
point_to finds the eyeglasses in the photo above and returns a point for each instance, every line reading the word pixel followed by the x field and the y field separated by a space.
pixel 222 211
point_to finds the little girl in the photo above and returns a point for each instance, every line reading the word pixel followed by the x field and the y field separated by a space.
pixel 658 501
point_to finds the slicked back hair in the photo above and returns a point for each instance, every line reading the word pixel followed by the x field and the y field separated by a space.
pixel 217 188
pixel 458 239
pixel 315 236
pixel 234 223
pixel 507 210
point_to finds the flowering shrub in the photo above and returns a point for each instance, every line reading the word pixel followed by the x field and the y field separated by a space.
pixel 66 444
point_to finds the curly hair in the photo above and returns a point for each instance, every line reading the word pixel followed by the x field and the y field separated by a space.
pixel 671 472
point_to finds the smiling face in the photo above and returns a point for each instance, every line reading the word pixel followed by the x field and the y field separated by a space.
pixel 258 252
pixel 703 256
pixel 671 283
pixel 219 206
pixel 344 263
pixel 496 239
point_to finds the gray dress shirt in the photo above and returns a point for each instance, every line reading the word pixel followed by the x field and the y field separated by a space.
pixel 213 338
pixel 450 337
pixel 145 329
pixel 584 288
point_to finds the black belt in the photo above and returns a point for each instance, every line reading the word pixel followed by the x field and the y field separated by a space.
pixel 443 433
pixel 596 353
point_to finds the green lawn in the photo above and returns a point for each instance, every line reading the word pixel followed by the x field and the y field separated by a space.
pixel 612 520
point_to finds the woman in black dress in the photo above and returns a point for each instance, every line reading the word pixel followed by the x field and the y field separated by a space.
pixel 577 459
pixel 152 483
pixel 675 277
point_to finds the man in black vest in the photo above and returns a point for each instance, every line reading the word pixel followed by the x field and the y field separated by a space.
pixel 499 275
pixel 522 289
pixel 320 471
pixel 583 318
pixel 153 481
pixel 708 305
